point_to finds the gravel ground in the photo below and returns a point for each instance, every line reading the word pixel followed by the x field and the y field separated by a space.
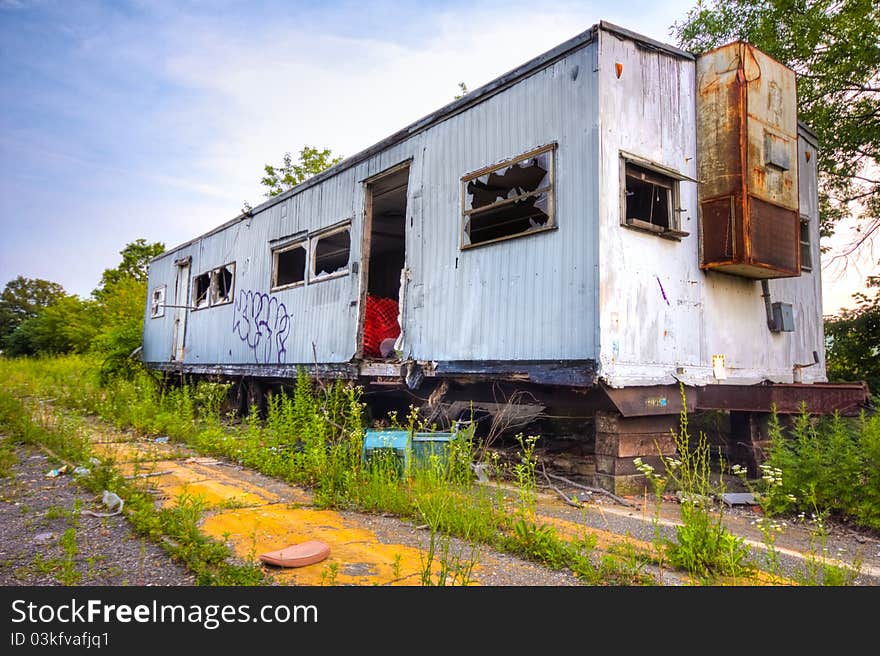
pixel 35 514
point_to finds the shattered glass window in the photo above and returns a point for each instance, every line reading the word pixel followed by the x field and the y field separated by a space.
pixel 510 200
pixel 331 253
pixel 221 290
pixel 157 306
pixel 201 287
pixel 806 247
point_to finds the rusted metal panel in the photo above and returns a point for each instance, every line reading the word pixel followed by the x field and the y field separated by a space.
pixel 573 373
pixel 820 398
pixel 646 400
pixel 747 152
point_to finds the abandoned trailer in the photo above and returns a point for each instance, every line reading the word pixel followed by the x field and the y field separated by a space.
pixel 580 235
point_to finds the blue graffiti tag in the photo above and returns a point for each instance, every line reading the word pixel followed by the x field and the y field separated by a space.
pixel 262 322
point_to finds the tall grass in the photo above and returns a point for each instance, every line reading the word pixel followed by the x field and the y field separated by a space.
pixel 313 436
pixel 829 465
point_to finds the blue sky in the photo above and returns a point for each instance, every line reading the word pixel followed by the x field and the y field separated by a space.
pixel 153 119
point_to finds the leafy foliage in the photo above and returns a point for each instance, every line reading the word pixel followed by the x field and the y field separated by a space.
pixel 830 465
pixel 134 266
pixel 311 162
pixel 22 299
pixel 110 323
pixel 853 341
pixel 834 47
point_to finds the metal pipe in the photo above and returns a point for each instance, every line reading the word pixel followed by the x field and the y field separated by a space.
pixel 765 294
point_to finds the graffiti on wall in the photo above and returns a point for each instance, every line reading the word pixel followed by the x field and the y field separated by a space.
pixel 262 322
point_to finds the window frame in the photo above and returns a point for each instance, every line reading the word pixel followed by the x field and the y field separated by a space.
pixel 308 241
pixel 550 190
pixel 214 273
pixel 805 223
pixel 212 285
pixel 313 253
pixel 657 175
pixel 157 308
pixel 298 243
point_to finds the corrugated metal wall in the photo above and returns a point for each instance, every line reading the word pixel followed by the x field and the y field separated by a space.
pixel 662 318
pixel 528 298
pixel 655 315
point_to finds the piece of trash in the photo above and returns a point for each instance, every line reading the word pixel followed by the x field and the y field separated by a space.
pixel 42 538
pixel 112 501
pixel 82 471
pixel 162 440
pixel 480 470
pixel 94 461
pixel 149 474
pixel 202 461
pixel 738 498
pixel 52 473
pixel 298 555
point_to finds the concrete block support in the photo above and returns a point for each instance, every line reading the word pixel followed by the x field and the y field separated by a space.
pixel 619 440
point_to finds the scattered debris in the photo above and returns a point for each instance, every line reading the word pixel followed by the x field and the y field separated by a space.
pixel 82 471
pixel 112 501
pixel 162 440
pixel 43 538
pixel 53 473
pixel 202 461
pixel 298 555
pixel 738 498
pixel 480 470
pixel 148 474
pixel 597 490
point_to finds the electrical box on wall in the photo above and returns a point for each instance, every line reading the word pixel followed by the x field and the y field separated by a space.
pixel 783 318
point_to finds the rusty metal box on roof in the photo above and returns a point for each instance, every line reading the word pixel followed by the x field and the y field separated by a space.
pixel 747 138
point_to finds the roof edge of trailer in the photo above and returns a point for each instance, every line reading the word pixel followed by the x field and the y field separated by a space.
pixel 449 110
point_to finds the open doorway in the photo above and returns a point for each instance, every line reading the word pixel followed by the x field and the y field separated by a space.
pixel 383 262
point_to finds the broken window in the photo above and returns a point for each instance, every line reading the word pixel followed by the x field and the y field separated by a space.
pixel 331 253
pixel 806 249
pixel 508 200
pixel 213 287
pixel 289 266
pixel 221 284
pixel 650 200
pixel 201 287
pixel 157 302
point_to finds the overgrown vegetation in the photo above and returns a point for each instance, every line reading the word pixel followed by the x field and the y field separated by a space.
pixel 312 435
pixel 174 528
pixel 703 547
pixel 38 317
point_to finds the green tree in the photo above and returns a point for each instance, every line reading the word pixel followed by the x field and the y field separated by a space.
pixel 853 340
pixel 22 299
pixel 834 47
pixel 311 162
pixel 120 304
pixel 135 263
pixel 66 326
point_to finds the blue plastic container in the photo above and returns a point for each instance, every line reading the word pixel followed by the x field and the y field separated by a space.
pixel 397 443
pixel 426 445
